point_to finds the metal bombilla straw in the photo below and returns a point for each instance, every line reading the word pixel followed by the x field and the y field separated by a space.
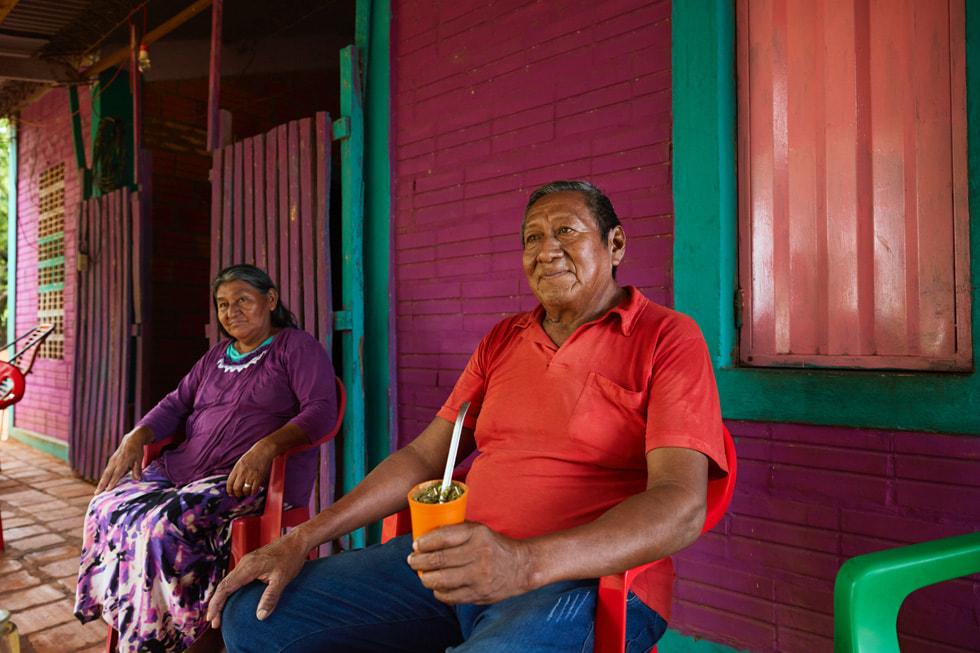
pixel 447 476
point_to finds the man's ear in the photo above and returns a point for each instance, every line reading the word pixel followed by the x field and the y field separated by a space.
pixel 617 244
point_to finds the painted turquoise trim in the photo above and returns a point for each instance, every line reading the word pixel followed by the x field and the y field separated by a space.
pixel 56 448
pixel 52 262
pixel 705 248
pixel 380 420
pixel 84 174
pixel 12 252
pixel 352 276
pixel 672 642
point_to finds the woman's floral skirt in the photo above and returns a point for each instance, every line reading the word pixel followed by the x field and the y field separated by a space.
pixel 152 556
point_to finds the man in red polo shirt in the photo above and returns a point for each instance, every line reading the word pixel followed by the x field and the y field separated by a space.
pixel 597 422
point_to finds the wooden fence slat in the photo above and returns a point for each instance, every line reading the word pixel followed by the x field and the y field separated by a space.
pixel 282 174
pixel 125 334
pixel 226 203
pixel 217 192
pixel 139 389
pixel 292 172
pixel 258 181
pixel 111 332
pixel 308 190
pixel 238 237
pixel 99 352
pixel 248 203
pixel 271 204
pixel 326 478
pixel 324 290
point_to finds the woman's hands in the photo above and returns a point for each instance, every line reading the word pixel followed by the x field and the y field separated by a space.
pixel 251 471
pixel 128 457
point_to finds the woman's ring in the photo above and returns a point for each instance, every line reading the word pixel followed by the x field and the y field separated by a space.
pixel 248 485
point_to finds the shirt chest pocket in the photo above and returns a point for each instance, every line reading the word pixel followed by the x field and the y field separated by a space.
pixel 610 422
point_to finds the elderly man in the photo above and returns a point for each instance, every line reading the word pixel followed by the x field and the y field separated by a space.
pixel 597 422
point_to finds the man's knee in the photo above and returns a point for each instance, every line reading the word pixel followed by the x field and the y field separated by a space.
pixel 239 614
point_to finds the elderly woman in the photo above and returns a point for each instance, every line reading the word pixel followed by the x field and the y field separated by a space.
pixel 157 540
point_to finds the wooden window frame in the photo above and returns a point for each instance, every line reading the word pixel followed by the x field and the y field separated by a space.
pixel 705 253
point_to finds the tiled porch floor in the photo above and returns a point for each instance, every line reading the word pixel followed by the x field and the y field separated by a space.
pixel 42 504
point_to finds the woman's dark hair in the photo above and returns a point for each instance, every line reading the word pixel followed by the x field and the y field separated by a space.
pixel 256 277
pixel 595 200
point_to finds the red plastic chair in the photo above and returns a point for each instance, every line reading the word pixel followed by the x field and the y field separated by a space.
pixel 12 373
pixel 250 533
pixel 610 619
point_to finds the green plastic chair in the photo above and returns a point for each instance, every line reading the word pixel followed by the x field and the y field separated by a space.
pixel 870 588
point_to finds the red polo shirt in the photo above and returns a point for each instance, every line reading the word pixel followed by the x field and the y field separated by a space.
pixel 563 432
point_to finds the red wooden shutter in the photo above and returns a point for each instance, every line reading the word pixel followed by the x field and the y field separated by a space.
pixel 853 222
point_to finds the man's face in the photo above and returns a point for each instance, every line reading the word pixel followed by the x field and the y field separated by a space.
pixel 565 260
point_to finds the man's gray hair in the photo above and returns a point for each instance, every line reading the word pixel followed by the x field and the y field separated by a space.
pixel 595 200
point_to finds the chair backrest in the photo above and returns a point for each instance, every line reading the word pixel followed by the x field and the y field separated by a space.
pixel 30 343
pixel 720 490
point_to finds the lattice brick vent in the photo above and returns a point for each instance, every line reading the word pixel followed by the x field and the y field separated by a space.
pixel 51 259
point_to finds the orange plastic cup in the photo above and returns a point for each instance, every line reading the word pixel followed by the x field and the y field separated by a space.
pixel 430 516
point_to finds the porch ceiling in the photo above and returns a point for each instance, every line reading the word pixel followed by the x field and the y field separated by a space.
pixel 45 43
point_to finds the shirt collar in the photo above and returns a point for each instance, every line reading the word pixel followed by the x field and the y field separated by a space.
pixel 628 311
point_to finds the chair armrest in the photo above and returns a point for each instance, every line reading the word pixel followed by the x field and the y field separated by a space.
pixel 870 588
pixel 154 450
pixel 271 527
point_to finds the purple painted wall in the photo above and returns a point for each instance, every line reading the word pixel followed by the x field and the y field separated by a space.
pixel 45 140
pixel 490 102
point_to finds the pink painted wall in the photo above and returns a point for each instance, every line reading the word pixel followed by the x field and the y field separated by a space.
pixel 45 140
pixel 491 101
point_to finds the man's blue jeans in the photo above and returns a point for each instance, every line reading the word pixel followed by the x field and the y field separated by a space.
pixel 371 600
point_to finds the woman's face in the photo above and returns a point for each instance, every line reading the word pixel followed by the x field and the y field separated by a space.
pixel 244 312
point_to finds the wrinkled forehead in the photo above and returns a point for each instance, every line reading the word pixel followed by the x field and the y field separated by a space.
pixel 235 287
pixel 566 201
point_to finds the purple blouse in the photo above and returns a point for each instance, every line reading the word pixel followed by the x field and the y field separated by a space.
pixel 225 407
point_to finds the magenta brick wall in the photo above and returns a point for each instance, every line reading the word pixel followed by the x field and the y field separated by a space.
pixel 489 102
pixel 45 140
pixel 807 499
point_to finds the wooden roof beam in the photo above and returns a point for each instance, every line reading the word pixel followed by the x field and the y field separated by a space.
pixel 121 55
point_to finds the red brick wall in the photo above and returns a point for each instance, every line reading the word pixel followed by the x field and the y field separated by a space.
pixel 489 102
pixel 44 139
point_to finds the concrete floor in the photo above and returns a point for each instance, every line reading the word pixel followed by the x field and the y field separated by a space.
pixel 42 506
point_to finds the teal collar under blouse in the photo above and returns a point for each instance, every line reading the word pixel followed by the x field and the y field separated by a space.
pixel 233 354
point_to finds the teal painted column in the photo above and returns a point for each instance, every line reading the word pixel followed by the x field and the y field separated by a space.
pixel 378 290
pixel 351 332
pixel 705 202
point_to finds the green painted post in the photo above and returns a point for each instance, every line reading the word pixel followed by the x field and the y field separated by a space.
pixel 84 174
pixel 379 355
pixel 352 273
